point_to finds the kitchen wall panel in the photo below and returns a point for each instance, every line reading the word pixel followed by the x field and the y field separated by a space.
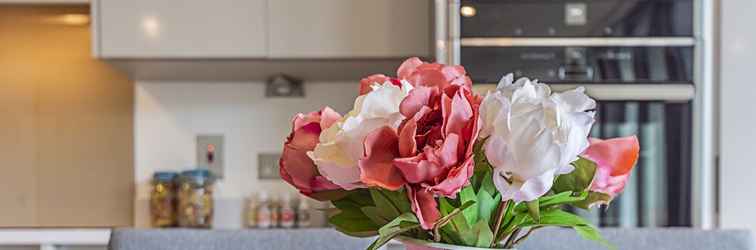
pixel 737 130
pixel 18 152
pixel 169 115
pixel 67 125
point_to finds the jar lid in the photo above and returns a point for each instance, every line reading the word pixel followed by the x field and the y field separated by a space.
pixel 164 176
pixel 198 175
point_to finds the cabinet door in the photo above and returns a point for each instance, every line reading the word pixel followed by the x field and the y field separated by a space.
pixel 349 28
pixel 180 29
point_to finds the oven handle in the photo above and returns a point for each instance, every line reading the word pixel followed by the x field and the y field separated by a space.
pixel 577 42
pixel 620 92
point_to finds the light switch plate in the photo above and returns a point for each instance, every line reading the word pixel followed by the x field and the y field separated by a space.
pixel 267 166
pixel 211 153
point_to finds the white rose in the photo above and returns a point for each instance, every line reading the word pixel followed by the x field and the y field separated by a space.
pixel 341 145
pixel 533 135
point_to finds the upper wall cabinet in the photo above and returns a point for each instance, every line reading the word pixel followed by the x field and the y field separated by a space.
pixel 349 28
pixel 179 29
pixel 278 29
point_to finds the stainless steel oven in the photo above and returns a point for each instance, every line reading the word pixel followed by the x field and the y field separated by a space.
pixel 639 58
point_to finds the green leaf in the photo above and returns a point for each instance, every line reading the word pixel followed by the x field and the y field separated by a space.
pixel 566 197
pixel 578 180
pixel 481 162
pixel 358 198
pixel 534 209
pixel 581 226
pixel 482 167
pixel 444 206
pixel 593 198
pixel 374 214
pixel 487 183
pixel 589 232
pixel 390 204
pixel 517 220
pixel 400 199
pixel 457 225
pixel 487 205
pixel 403 221
pixel 484 236
pixel 351 221
pixel 456 211
pixel 401 224
pixel 549 201
pixel 556 218
pixel 510 221
pixel 329 195
pixel 466 195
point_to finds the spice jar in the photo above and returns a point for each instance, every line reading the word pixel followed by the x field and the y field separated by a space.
pixel 264 213
pixel 251 212
pixel 163 199
pixel 287 215
pixel 195 198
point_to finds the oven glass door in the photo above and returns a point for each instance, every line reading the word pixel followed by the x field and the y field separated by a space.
pixel 658 193
pixel 563 18
pixel 660 65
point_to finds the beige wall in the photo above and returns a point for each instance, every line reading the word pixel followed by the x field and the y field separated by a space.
pixel 66 125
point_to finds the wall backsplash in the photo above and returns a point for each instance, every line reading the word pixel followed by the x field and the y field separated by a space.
pixel 169 115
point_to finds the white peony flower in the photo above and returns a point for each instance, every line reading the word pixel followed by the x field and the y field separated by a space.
pixel 341 145
pixel 533 135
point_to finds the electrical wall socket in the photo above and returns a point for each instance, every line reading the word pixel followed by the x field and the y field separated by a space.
pixel 267 166
pixel 211 153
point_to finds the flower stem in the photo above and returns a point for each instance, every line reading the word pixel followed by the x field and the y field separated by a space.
pixel 436 234
pixel 530 231
pixel 499 217
pixel 511 239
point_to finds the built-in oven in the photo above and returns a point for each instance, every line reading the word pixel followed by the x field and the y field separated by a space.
pixel 638 58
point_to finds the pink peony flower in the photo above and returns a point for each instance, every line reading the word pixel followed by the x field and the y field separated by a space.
pixel 431 153
pixel 367 82
pixel 432 74
pixel 419 73
pixel 296 167
pixel 614 159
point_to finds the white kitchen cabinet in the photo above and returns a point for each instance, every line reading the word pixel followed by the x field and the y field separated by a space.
pixel 737 48
pixel 179 29
pixel 349 28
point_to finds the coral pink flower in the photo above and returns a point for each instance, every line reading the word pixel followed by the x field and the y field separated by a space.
pixel 431 153
pixel 432 74
pixel 614 159
pixel 367 82
pixel 419 73
pixel 296 167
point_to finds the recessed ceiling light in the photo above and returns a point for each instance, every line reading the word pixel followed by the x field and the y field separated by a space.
pixel 75 19
pixel 151 26
pixel 467 11
pixel 69 19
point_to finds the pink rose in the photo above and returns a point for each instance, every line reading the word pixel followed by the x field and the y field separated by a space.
pixel 614 159
pixel 296 167
pixel 431 153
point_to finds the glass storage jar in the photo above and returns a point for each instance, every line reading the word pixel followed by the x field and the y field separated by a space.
pixel 195 198
pixel 163 199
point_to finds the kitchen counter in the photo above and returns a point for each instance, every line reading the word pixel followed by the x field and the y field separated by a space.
pixel 52 238
pixel 329 239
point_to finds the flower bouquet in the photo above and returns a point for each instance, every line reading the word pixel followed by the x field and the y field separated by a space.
pixel 423 159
